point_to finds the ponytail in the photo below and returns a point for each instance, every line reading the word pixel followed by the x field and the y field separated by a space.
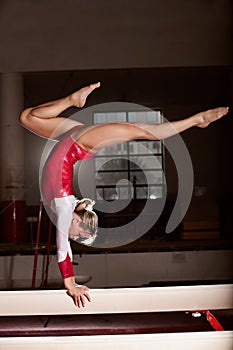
pixel 84 209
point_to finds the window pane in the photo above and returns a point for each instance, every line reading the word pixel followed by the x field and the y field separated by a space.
pixel 141 192
pixel 118 149
pixel 100 118
pixel 123 192
pixel 108 163
pixel 145 147
pixel 146 177
pixel 155 192
pixel 149 162
pixel 149 192
pixel 110 117
pixel 112 193
pixel 154 146
pixel 145 117
pixel 106 193
pixel 110 178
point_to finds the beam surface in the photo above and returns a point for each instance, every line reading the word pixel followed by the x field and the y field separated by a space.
pixel 168 341
pixel 122 300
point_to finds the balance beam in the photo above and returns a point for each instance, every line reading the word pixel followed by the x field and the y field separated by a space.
pixel 122 300
pixel 168 341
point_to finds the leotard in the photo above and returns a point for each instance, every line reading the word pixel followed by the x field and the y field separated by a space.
pixel 57 192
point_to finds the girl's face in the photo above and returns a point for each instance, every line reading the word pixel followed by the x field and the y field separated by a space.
pixel 76 230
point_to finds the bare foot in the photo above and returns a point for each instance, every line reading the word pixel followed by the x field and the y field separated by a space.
pixel 207 117
pixel 79 97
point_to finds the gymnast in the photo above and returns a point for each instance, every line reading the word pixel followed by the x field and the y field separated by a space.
pixel 76 219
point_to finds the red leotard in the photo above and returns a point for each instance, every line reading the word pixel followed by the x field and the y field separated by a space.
pixel 58 170
pixel 57 192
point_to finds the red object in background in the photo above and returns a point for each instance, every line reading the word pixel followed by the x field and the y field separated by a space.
pixel 213 321
pixel 13 222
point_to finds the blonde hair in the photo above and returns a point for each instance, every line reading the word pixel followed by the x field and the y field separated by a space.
pixel 84 209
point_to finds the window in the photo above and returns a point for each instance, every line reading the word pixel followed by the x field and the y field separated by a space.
pixel 130 170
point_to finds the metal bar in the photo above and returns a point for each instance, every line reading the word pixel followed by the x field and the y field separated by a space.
pixel 45 282
pixel 37 246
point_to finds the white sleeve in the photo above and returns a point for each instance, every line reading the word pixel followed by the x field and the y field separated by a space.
pixel 63 208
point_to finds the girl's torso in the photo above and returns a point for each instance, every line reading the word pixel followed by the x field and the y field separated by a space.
pixel 57 175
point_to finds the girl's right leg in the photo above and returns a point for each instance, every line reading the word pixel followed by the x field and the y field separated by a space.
pixel 43 119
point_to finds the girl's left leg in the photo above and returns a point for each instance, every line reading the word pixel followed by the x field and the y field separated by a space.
pixel 95 137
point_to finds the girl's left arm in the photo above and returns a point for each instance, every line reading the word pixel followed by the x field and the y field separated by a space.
pixel 64 208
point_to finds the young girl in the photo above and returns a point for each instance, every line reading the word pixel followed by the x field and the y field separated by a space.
pixel 76 218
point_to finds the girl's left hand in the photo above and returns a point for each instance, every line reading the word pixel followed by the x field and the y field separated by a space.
pixel 78 293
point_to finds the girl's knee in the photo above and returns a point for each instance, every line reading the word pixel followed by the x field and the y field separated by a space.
pixel 24 116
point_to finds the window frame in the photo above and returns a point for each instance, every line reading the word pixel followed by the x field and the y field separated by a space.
pixel 128 155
